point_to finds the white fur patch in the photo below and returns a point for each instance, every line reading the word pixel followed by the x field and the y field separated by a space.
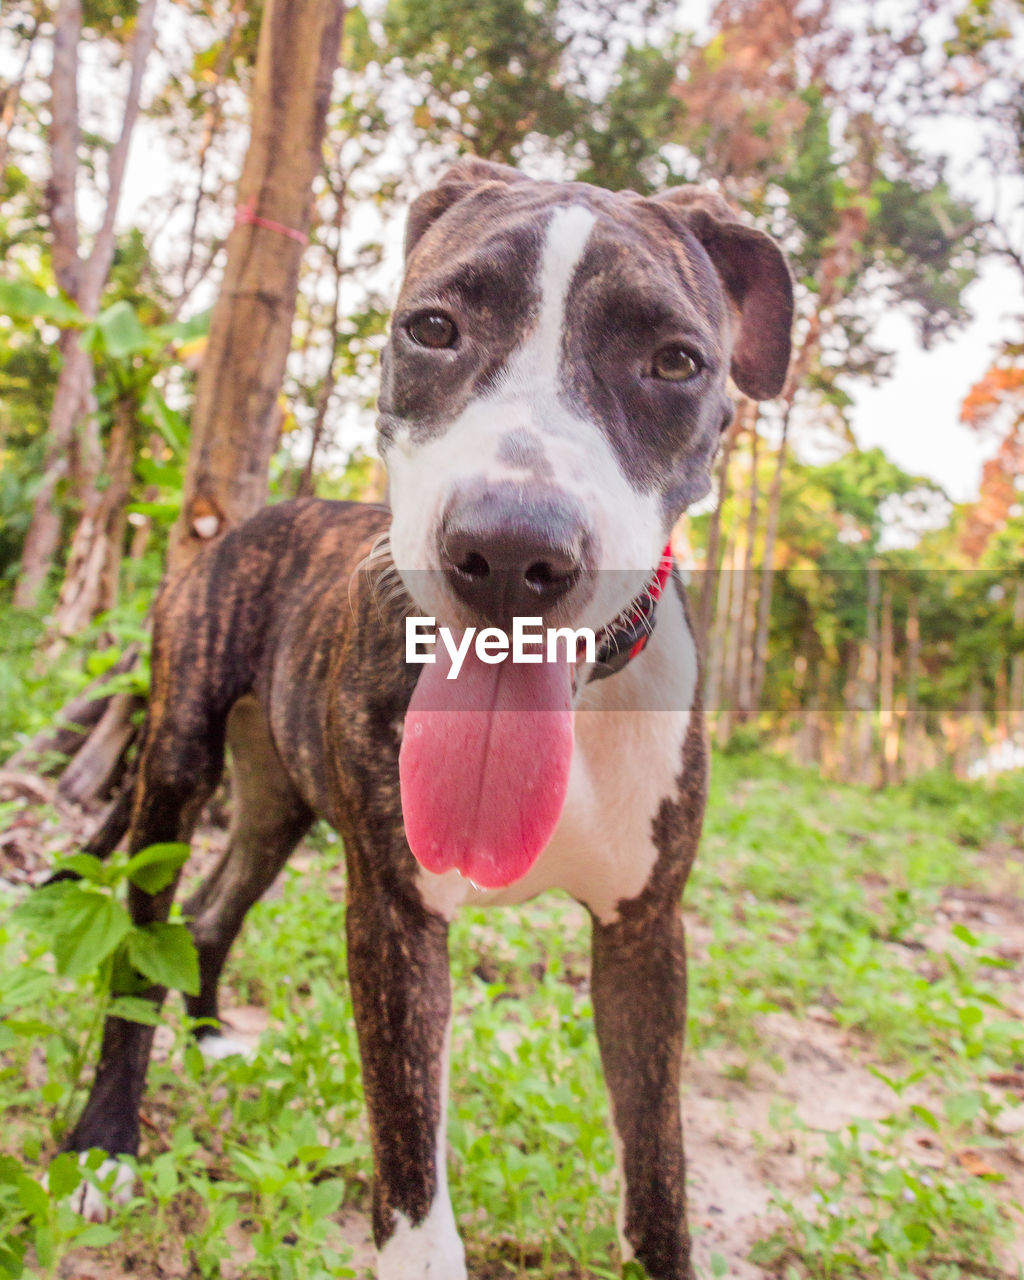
pixel 217 1047
pixel 627 760
pixel 431 1250
pixel 625 1248
pixel 564 246
pixel 93 1204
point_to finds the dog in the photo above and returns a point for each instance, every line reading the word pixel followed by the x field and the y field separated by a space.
pixel 553 394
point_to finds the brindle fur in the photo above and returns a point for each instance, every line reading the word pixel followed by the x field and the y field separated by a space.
pixel 285 642
pixel 281 641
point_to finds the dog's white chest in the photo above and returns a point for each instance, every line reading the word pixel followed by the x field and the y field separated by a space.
pixel 627 761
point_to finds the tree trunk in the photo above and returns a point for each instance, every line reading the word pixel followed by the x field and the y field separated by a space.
pixel 764 602
pixel 867 680
pixel 46 752
pixel 1017 670
pixel 90 583
pixel 12 96
pixel 211 124
pixel 236 419
pixel 911 760
pixel 82 281
pixel 43 535
pixel 740 698
pixel 235 423
pixel 711 575
pixel 717 639
pixel 887 724
pixel 305 486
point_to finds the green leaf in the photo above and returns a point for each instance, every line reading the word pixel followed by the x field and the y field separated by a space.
pixel 164 475
pixel 64 1175
pixel 166 954
pixel 39 910
pixel 88 929
pixel 154 867
pixel 23 986
pixel 925 1116
pixel 719 1266
pixel 919 1234
pixel 962 932
pixel 171 425
pixel 121 333
pixel 86 866
pixel 33 1198
pixel 27 1027
pixel 155 510
pixel 96 1236
pixel 135 1009
pixel 196 326
pixel 22 301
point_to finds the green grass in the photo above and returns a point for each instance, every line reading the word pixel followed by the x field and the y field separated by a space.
pixel 810 899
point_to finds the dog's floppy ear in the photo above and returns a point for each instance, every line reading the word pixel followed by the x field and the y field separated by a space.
pixel 757 279
pixel 461 179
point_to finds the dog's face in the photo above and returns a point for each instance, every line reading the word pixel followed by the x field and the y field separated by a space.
pixel 554 387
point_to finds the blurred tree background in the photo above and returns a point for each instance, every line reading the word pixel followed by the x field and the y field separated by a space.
pixel 853 615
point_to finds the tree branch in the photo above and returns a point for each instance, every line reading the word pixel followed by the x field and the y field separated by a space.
pixel 97 266
pixel 62 192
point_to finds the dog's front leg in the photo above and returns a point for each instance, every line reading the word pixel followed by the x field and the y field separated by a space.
pixel 398 969
pixel 639 993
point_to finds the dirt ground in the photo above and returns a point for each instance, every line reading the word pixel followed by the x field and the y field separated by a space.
pixel 737 1147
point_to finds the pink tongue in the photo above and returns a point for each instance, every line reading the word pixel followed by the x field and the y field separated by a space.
pixel 484 765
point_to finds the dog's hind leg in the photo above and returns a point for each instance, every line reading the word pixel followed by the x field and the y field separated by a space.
pixel 269 818
pixel 181 762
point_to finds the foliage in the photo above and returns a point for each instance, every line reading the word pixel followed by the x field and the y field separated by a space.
pixel 805 900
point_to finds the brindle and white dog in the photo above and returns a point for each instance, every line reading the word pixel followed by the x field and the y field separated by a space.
pixel 554 390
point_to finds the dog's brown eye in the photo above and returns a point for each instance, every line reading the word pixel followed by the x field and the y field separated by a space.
pixel 675 364
pixel 433 329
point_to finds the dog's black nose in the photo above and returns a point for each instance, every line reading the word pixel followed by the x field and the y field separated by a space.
pixel 508 554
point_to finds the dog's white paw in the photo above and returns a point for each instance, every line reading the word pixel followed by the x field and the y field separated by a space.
pixel 430 1251
pixel 116 1181
pixel 217 1047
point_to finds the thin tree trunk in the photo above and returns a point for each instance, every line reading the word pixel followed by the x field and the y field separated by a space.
pixel 710 581
pixel 46 752
pixel 848 731
pixel 1002 702
pixel 740 698
pixel 43 535
pixel 764 603
pixel 716 642
pixel 911 759
pixel 323 400
pixel 888 728
pixel 211 124
pixel 62 191
pixel 1017 669
pixel 92 773
pixel 83 281
pixel 974 738
pixel 235 426
pixel 12 96
pixel 90 583
pixel 867 680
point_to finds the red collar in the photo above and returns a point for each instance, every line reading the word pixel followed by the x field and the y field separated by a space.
pixel 626 636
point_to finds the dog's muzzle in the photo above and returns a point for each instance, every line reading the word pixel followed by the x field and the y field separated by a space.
pixel 509 552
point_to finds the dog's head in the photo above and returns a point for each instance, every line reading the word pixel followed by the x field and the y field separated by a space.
pixel 554 386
